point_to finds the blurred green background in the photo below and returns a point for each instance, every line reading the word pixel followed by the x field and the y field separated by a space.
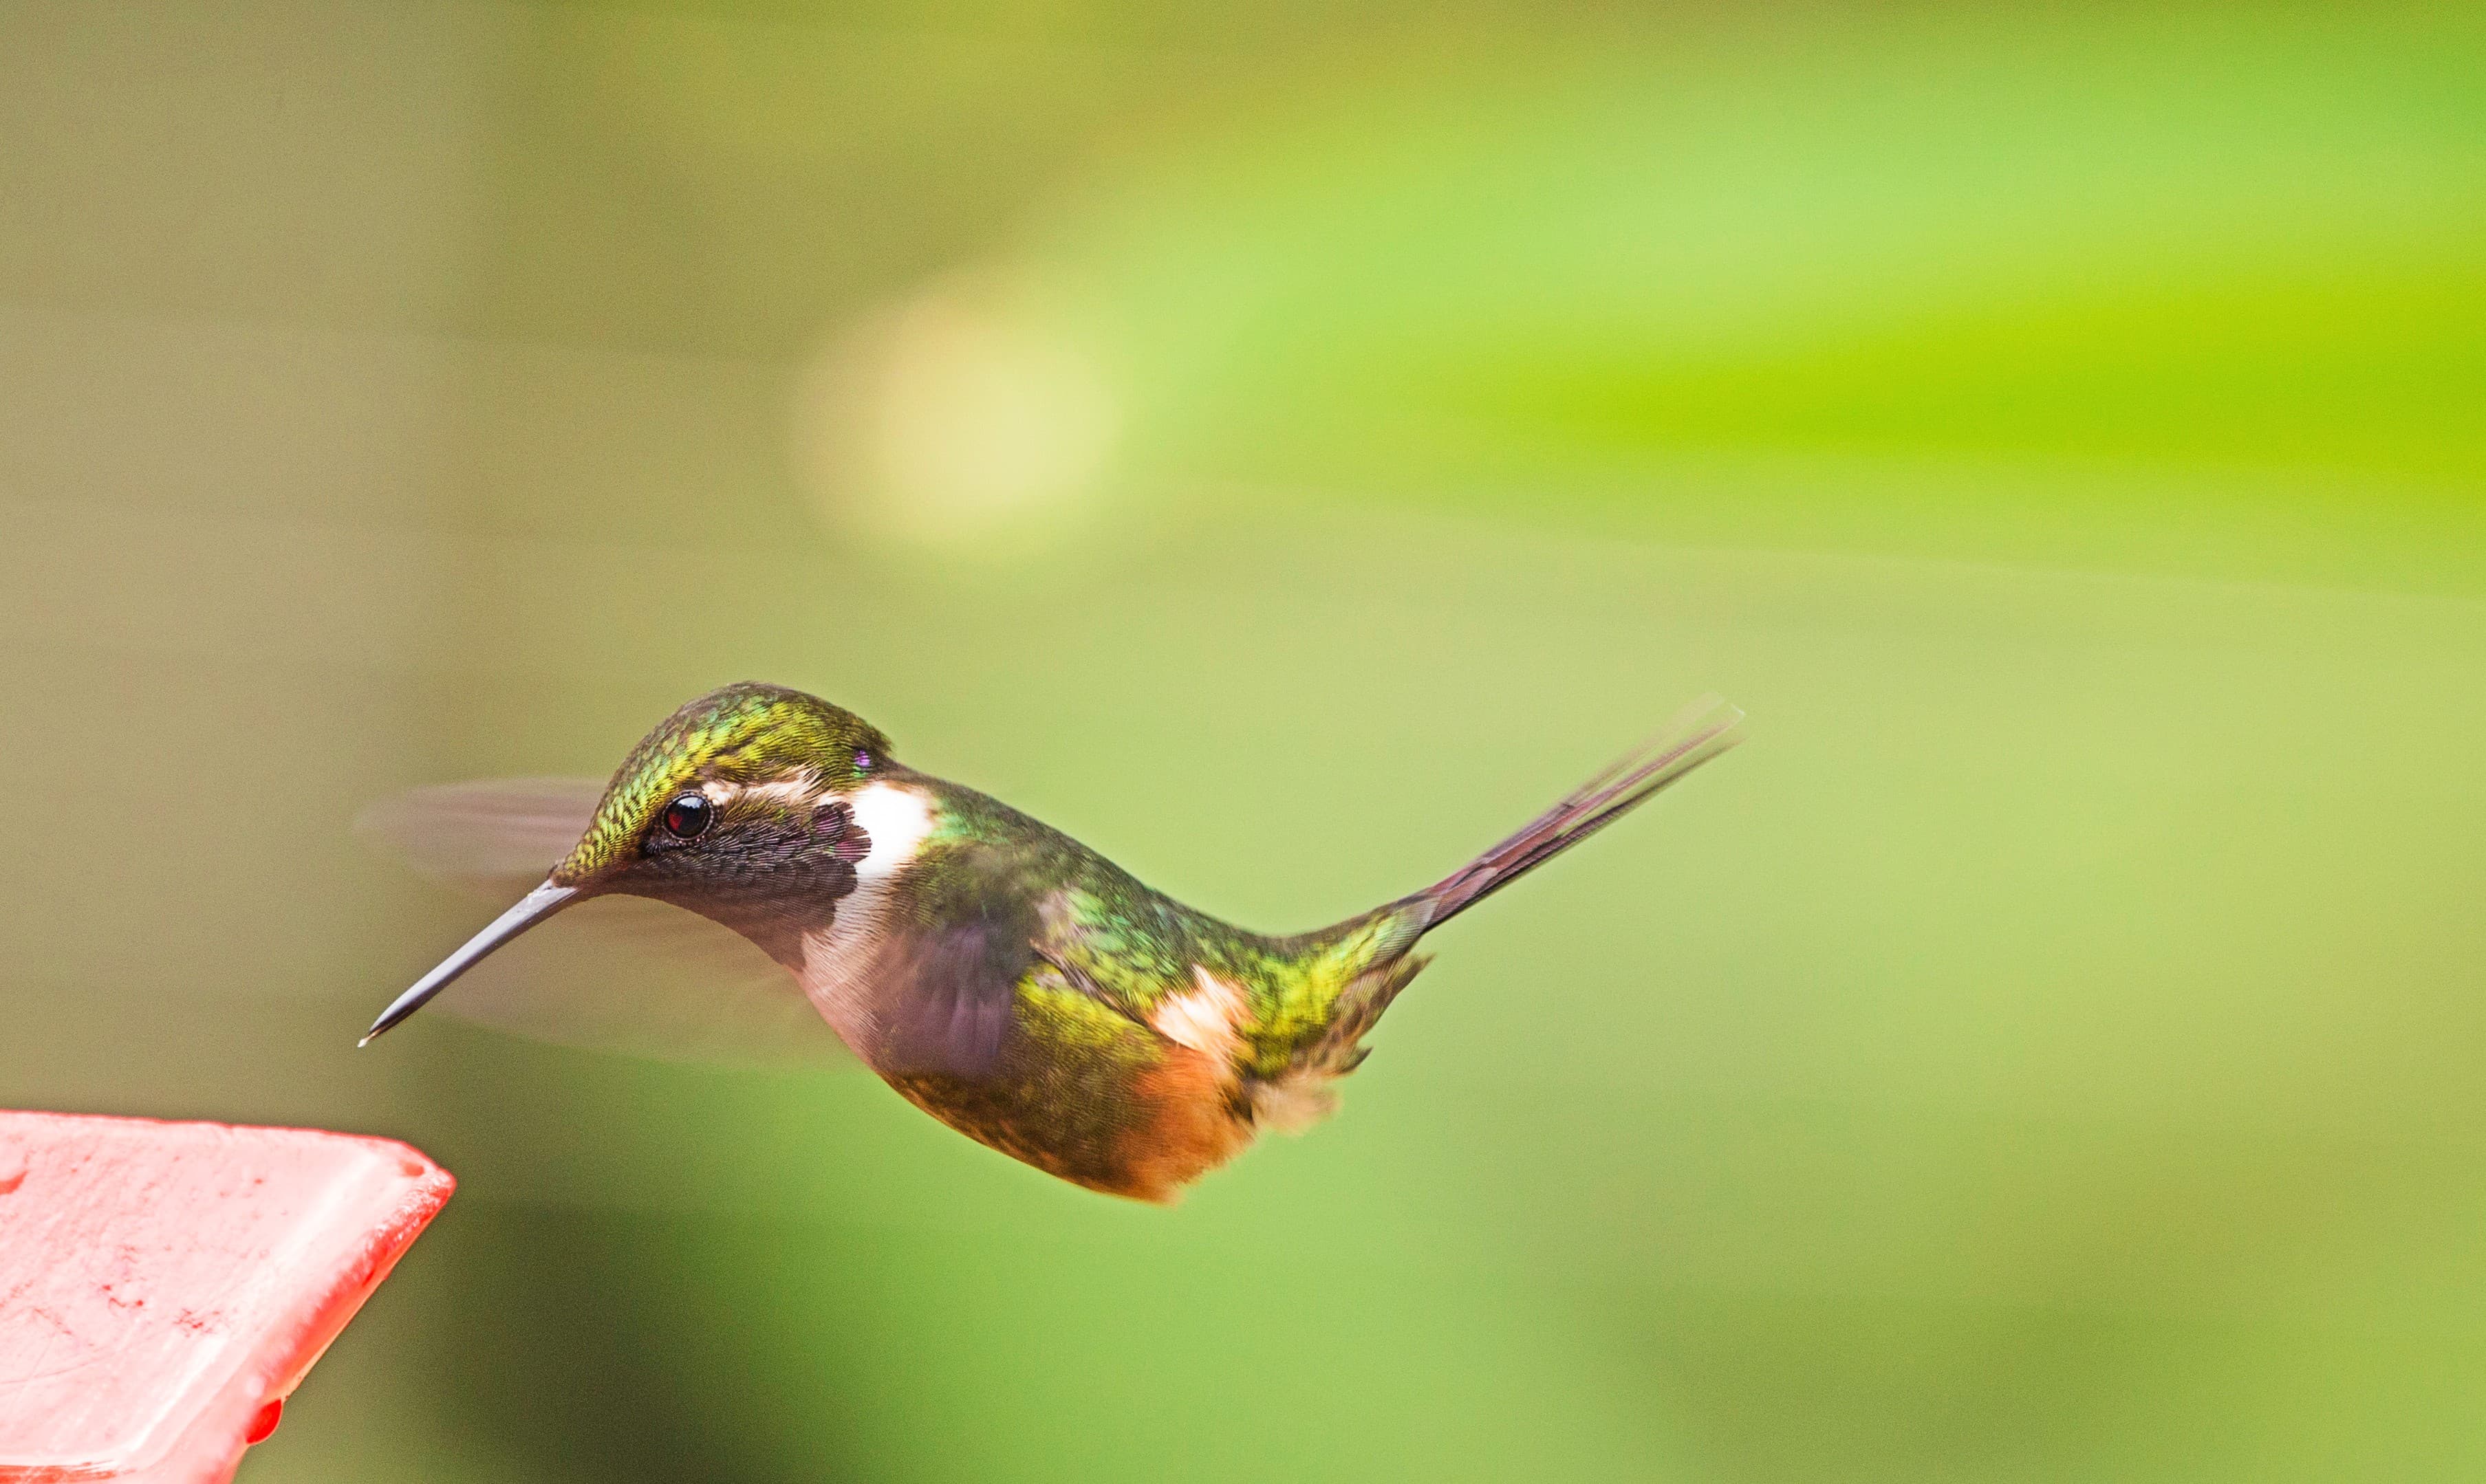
pixel 1285 445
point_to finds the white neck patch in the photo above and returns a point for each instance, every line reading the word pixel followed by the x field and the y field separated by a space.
pixel 837 960
pixel 896 820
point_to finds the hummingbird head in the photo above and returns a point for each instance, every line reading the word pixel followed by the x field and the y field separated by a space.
pixel 735 806
pixel 743 782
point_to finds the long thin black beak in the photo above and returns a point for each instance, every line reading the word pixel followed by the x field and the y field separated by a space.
pixel 532 908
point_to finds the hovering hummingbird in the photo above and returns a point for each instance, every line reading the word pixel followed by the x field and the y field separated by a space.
pixel 1003 977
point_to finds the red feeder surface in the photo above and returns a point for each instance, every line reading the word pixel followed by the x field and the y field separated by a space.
pixel 163 1287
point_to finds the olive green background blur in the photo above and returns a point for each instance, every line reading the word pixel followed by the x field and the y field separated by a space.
pixel 1285 446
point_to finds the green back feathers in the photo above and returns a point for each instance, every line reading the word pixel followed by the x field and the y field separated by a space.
pixel 743 733
pixel 1129 945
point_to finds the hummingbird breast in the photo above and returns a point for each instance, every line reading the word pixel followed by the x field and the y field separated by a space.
pixel 1034 997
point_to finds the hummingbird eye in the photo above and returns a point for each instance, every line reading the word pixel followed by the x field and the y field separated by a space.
pixel 688 815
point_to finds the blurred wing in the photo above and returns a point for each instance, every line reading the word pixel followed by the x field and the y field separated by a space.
pixel 617 973
pixel 624 974
pixel 496 840
pixel 948 997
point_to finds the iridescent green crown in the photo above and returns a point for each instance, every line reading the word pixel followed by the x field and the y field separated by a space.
pixel 745 734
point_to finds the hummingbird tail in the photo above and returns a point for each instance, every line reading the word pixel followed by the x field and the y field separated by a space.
pixel 1700 732
pixel 1355 969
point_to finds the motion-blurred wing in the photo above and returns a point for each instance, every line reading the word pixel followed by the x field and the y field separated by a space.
pixel 619 974
pixel 496 840
pixel 948 997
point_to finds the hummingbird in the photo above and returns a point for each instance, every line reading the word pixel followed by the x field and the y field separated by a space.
pixel 1003 977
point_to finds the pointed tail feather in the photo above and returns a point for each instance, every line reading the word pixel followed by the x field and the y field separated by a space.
pixel 1357 968
pixel 1703 731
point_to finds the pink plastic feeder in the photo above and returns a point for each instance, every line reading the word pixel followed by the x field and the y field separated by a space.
pixel 163 1287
